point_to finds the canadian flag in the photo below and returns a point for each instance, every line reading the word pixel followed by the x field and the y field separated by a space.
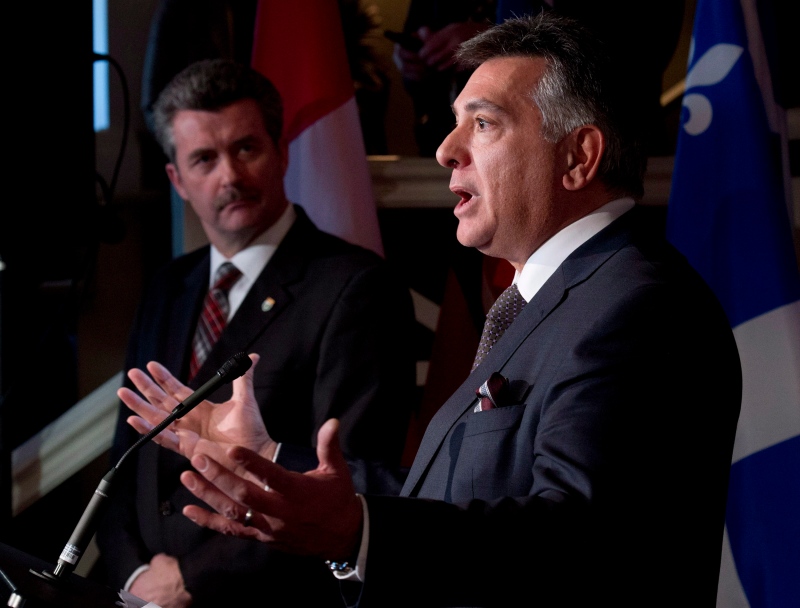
pixel 299 46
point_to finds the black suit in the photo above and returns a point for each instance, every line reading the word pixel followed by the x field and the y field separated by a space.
pixel 336 343
pixel 603 482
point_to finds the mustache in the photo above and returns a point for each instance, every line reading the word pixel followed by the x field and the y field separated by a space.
pixel 233 194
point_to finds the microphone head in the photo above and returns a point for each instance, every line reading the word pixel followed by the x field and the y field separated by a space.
pixel 235 366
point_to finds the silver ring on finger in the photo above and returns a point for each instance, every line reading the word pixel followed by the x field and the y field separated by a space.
pixel 248 517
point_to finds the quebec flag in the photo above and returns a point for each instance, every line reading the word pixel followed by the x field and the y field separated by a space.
pixel 728 214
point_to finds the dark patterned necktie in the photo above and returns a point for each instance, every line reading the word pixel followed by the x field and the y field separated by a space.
pixel 501 315
pixel 214 316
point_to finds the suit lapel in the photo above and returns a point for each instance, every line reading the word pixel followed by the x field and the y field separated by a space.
pixel 269 296
pixel 264 302
pixel 187 301
pixel 574 270
pixel 464 397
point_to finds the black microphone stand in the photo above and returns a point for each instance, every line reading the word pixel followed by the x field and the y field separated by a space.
pixel 83 532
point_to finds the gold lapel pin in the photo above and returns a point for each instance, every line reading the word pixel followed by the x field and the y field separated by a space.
pixel 267 304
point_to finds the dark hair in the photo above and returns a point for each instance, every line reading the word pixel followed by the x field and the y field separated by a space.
pixel 579 87
pixel 212 84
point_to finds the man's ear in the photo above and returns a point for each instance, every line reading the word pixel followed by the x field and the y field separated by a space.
pixel 584 149
pixel 175 177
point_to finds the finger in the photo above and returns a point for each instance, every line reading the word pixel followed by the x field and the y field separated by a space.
pixel 404 54
pixel 209 493
pixel 227 493
pixel 409 64
pixel 224 525
pixel 230 484
pixel 148 411
pixel 165 438
pixel 278 479
pixel 167 382
pixel 329 453
pixel 151 391
pixel 438 51
pixel 187 442
pixel 446 63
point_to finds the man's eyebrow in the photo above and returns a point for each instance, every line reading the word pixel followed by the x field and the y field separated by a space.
pixel 474 105
pixel 246 139
pixel 198 152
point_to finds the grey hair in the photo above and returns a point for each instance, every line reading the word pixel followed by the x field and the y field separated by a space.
pixel 210 85
pixel 578 87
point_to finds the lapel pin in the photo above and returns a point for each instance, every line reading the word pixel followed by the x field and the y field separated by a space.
pixel 267 304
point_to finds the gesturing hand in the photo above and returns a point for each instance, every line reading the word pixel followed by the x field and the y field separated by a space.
pixel 209 428
pixel 438 49
pixel 315 513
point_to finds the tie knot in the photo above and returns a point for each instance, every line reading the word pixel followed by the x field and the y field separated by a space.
pixel 506 307
pixel 227 274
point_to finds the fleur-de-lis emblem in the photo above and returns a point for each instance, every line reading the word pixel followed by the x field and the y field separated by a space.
pixel 710 69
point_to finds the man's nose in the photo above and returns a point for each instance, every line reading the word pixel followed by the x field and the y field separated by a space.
pixel 230 170
pixel 452 152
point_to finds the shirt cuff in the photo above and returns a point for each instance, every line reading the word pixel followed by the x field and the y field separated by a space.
pixel 132 577
pixel 357 573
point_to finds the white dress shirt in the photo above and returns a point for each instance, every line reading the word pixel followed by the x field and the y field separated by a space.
pixel 253 258
pixel 544 261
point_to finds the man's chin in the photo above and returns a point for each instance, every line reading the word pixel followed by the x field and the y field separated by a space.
pixel 474 241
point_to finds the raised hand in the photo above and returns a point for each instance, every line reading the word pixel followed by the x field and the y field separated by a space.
pixel 439 48
pixel 315 513
pixel 209 428
pixel 411 65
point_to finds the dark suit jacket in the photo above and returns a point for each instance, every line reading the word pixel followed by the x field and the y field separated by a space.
pixel 603 482
pixel 336 343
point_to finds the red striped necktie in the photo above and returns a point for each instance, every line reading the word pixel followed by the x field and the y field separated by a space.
pixel 214 316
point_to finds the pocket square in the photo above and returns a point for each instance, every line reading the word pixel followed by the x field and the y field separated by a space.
pixel 493 393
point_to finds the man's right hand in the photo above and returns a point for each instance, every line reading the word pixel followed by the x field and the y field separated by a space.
pixel 209 428
pixel 437 53
pixel 162 583
pixel 411 65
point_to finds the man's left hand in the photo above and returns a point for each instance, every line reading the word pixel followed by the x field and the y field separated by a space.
pixel 315 513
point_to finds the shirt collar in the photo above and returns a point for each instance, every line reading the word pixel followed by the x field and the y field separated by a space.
pixel 252 259
pixel 544 261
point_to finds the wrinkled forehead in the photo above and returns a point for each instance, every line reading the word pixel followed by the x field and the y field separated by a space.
pixel 503 84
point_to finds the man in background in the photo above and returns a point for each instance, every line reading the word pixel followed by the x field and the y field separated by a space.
pixel 332 324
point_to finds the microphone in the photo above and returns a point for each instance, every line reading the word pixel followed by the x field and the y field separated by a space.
pixel 73 551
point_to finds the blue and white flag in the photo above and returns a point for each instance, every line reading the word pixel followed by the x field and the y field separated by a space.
pixel 729 214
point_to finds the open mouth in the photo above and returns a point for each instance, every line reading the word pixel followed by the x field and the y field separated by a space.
pixel 463 195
